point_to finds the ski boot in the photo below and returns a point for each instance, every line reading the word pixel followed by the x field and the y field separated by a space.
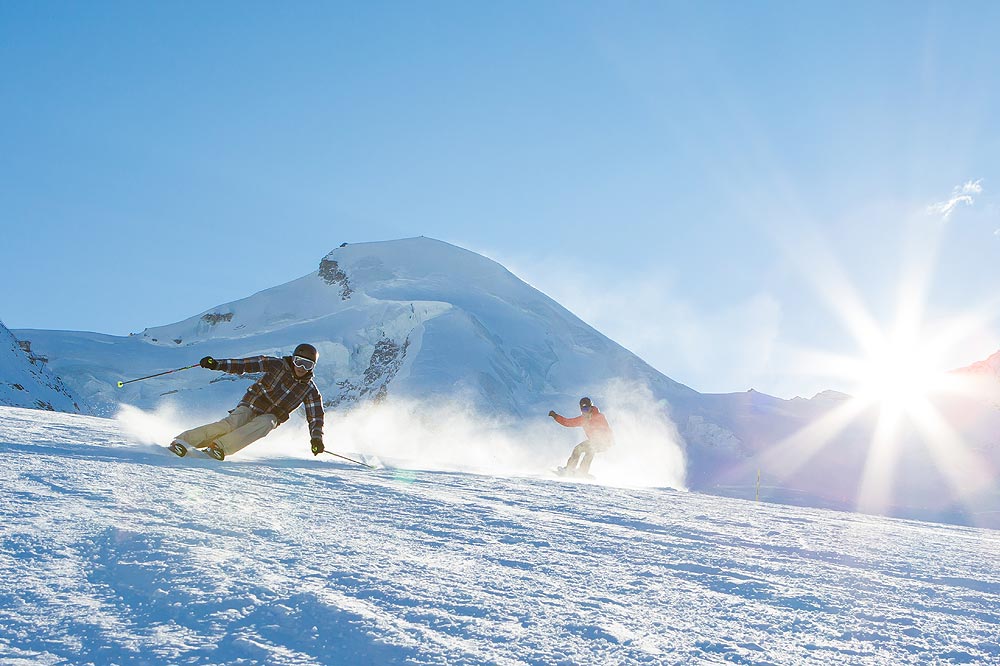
pixel 178 448
pixel 215 451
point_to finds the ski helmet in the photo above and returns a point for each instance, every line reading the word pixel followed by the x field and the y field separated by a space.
pixel 585 402
pixel 306 350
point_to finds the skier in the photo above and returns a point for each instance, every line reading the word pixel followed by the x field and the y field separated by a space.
pixel 286 384
pixel 599 437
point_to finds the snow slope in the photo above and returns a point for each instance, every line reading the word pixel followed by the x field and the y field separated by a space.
pixel 116 552
pixel 26 382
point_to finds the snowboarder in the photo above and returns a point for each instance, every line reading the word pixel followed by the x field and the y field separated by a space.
pixel 599 437
pixel 286 384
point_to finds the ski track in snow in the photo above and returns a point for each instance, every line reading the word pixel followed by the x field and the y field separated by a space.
pixel 112 552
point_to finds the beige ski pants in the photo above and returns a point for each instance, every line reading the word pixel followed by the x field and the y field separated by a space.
pixel 587 449
pixel 233 433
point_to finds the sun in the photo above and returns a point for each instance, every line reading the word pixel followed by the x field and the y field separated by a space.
pixel 900 373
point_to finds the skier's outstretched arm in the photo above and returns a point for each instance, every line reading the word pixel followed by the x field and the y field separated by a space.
pixel 239 366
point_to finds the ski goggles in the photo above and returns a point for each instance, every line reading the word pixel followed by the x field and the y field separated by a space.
pixel 303 363
pixel 584 408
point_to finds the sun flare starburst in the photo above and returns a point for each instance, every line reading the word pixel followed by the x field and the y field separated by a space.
pixel 898 382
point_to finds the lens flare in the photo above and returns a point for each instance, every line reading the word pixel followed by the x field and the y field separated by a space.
pixel 902 420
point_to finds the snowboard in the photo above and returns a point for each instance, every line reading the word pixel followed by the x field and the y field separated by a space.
pixel 573 473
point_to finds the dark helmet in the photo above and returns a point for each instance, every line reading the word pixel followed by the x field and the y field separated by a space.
pixel 585 402
pixel 306 351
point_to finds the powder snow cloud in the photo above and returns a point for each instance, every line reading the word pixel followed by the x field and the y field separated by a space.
pixel 646 313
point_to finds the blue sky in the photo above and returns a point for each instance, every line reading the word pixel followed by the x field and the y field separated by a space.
pixel 691 178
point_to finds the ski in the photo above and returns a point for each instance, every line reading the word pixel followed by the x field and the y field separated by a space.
pixel 179 449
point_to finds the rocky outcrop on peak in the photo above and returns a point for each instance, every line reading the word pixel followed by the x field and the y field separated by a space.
pixel 331 273
pixel 386 359
pixel 213 318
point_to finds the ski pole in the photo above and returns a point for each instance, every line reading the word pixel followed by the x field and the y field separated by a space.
pixel 187 367
pixel 356 462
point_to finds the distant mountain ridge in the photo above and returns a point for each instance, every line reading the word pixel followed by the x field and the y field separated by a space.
pixel 989 367
pixel 26 382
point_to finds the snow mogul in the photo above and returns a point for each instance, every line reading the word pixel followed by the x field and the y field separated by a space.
pixel 286 384
pixel 599 438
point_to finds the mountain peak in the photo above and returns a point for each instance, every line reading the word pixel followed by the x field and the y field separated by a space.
pixel 410 260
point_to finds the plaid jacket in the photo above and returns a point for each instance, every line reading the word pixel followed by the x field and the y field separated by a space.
pixel 278 392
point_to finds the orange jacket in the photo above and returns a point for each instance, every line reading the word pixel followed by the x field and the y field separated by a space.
pixel 593 423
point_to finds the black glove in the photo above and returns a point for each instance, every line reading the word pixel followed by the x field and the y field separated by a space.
pixel 209 362
pixel 316 445
pixel 552 413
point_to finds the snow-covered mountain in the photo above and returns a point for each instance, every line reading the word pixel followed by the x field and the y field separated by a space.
pixel 415 318
pixel 430 324
pixel 26 382
pixel 120 553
